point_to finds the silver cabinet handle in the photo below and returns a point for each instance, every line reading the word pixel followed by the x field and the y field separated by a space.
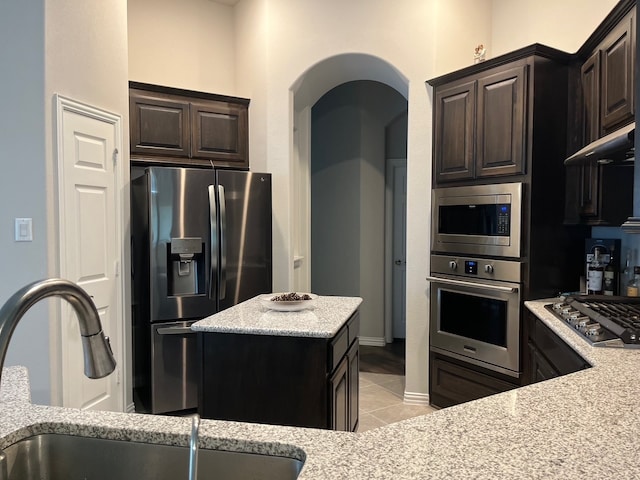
pixel 460 283
pixel 213 243
pixel 175 331
pixel 223 242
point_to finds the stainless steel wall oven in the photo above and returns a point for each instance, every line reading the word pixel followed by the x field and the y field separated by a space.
pixel 475 311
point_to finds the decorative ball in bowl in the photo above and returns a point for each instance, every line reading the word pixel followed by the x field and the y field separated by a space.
pixel 288 301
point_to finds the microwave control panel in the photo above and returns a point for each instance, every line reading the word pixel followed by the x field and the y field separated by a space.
pixel 503 216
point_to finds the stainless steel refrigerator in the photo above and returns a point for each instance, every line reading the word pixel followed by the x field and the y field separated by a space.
pixel 201 242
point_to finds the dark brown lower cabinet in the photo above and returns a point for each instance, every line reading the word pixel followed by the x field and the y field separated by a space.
pixel 278 380
pixel 548 355
pixel 452 381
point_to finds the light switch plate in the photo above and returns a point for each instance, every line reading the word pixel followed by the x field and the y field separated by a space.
pixel 24 229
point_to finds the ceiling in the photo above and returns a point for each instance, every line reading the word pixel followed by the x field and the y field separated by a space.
pixel 226 2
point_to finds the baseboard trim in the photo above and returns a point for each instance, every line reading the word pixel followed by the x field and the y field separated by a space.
pixel 373 341
pixel 414 398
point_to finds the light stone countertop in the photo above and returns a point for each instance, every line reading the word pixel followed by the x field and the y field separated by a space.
pixel 251 317
pixel 579 426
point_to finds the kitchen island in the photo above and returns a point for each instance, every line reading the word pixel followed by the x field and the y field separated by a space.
pixel 583 425
pixel 297 368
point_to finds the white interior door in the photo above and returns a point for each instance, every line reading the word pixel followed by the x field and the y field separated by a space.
pixel 399 249
pixel 90 244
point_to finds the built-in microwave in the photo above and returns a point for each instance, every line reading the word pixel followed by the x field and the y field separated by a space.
pixel 478 219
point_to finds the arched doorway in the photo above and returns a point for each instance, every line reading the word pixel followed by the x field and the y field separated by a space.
pixel 307 90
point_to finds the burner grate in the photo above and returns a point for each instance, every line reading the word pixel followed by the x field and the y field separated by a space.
pixel 603 321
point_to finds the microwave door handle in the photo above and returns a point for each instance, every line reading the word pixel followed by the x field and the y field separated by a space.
pixel 223 242
pixel 460 283
pixel 213 243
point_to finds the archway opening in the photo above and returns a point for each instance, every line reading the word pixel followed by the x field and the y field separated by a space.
pixel 350 115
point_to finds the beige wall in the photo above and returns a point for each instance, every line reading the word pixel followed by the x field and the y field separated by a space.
pixel 460 26
pixel 564 24
pixel 78 50
pixel 86 61
pixel 184 44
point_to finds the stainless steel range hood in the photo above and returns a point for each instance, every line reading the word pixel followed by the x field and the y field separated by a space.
pixel 616 147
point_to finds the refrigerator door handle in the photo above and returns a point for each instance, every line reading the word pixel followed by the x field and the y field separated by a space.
pixel 213 243
pixel 175 331
pixel 223 242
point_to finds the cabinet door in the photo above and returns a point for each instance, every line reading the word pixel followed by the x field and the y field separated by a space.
pixel 618 54
pixel 354 385
pixel 220 133
pixel 500 138
pixel 454 119
pixel 339 391
pixel 541 370
pixel 588 174
pixel 159 126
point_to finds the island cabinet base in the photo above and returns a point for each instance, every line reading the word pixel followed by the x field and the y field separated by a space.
pixel 281 380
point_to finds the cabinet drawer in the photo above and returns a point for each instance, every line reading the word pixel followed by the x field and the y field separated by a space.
pixel 338 348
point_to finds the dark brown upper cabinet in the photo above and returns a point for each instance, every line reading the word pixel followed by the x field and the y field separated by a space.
pixel 502 120
pixel 617 55
pixel 454 127
pixel 183 127
pixel 602 194
pixel 159 126
pixel 218 131
pixel 479 125
pixel 501 123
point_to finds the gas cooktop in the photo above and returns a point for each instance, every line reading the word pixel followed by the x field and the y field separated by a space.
pixel 604 321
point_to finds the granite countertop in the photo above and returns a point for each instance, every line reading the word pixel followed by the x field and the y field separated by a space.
pixel 252 317
pixel 583 425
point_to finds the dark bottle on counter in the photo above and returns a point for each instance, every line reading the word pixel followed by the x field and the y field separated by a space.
pixel 595 274
pixel 610 276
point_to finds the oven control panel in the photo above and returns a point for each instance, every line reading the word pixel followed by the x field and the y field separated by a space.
pixel 481 268
pixel 471 267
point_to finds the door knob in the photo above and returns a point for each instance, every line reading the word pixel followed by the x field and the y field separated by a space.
pixel 398 262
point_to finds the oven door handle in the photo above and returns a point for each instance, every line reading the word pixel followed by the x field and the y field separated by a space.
pixel 460 283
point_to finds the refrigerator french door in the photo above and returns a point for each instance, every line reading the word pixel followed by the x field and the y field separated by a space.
pixel 201 242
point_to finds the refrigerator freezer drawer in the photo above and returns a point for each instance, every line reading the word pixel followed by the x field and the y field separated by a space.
pixel 174 367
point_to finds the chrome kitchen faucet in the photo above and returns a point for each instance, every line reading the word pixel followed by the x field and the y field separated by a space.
pixel 98 357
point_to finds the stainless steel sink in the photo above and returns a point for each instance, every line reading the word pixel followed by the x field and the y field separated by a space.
pixel 57 457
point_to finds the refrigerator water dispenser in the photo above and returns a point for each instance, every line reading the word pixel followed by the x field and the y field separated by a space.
pixel 186 258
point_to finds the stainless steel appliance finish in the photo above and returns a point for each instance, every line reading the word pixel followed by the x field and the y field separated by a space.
pixel 478 220
pixel 603 321
pixel 475 311
pixel 174 366
pixel 201 242
pixel 63 457
pixel 618 146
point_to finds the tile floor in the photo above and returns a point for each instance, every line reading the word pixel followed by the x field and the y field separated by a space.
pixel 381 401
